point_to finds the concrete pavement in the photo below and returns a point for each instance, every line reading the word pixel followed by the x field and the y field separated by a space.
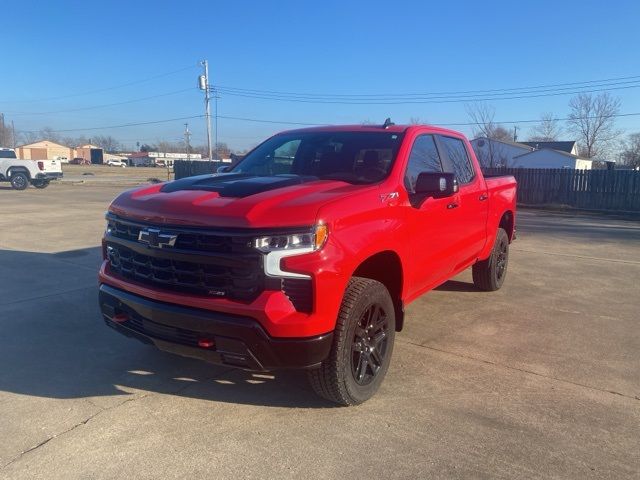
pixel 538 380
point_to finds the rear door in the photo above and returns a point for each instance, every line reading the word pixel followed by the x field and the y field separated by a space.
pixel 468 221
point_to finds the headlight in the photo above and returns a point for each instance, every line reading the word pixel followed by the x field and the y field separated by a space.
pixel 277 247
pixel 307 240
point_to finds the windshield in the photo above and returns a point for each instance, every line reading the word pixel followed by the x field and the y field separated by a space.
pixel 354 157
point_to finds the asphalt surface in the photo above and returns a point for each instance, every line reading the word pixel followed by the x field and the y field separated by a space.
pixel 538 380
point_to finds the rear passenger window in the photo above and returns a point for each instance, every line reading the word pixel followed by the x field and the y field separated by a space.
pixel 423 158
pixel 457 153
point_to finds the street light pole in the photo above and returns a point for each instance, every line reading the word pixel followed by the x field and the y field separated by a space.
pixel 204 85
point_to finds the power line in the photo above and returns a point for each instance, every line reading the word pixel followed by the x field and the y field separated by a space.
pixel 90 92
pixel 421 101
pixel 284 122
pixel 117 126
pixel 631 79
pixel 93 107
pixel 459 124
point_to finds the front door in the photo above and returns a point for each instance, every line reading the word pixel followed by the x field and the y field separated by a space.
pixel 429 233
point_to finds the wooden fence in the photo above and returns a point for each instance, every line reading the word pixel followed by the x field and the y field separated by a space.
pixel 615 190
pixel 189 168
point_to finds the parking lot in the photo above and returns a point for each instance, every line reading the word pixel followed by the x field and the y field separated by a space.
pixel 540 379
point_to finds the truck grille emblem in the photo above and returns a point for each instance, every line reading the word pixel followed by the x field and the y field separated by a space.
pixel 156 239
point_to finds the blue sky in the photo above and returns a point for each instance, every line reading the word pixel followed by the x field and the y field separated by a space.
pixel 68 48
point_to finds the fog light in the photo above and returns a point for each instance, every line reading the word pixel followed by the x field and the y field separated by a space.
pixel 206 343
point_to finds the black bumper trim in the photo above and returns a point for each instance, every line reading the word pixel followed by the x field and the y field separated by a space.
pixel 239 341
pixel 49 176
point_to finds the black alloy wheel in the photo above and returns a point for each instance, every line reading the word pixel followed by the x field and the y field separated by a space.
pixel 369 345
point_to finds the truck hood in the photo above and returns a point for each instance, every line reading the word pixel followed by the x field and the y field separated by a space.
pixel 234 200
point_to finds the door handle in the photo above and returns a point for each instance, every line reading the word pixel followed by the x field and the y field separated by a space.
pixel 483 197
pixel 452 205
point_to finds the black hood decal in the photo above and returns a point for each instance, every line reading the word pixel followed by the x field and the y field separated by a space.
pixel 235 184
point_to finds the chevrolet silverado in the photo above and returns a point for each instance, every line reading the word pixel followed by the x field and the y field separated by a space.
pixel 306 253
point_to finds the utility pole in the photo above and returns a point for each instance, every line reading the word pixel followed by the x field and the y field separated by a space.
pixel 187 136
pixel 203 84
pixel 515 133
pixel 215 143
pixel 13 133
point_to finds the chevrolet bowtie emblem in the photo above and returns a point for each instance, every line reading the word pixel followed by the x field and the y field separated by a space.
pixel 156 239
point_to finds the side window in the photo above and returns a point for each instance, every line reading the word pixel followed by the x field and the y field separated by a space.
pixel 459 158
pixel 423 158
pixel 283 157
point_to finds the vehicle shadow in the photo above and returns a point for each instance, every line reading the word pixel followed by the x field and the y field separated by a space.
pixel 457 286
pixel 54 343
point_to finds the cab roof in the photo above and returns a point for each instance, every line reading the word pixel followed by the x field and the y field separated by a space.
pixel 373 128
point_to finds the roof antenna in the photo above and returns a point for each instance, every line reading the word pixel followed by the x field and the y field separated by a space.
pixel 387 123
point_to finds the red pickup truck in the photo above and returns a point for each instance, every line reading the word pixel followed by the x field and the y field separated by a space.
pixel 305 253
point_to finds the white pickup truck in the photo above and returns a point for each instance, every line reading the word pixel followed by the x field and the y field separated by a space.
pixel 21 173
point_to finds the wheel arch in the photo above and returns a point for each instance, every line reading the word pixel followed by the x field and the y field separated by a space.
pixel 386 268
pixel 507 222
pixel 18 169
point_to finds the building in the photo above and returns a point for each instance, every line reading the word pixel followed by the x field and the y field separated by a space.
pixel 92 153
pixel 501 153
pixel 547 158
pixel 570 146
pixel 498 153
pixel 159 159
pixel 45 150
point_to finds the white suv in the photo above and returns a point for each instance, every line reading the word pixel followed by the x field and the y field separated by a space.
pixel 116 163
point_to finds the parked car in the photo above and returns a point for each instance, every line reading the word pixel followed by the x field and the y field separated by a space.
pixel 21 173
pixel 80 161
pixel 116 163
pixel 306 253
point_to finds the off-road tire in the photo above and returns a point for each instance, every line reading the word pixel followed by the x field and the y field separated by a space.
pixel 489 274
pixel 19 180
pixel 40 183
pixel 337 378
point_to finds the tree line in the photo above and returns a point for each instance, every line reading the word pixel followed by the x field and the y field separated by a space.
pixel 8 138
pixel 591 121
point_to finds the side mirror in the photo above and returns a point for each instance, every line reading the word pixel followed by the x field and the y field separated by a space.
pixel 436 185
pixel 223 169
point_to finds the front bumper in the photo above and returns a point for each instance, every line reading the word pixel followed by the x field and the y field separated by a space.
pixel 215 337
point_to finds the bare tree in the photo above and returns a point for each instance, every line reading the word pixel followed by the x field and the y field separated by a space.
pixel 592 119
pixel 48 133
pixel 108 143
pixel 6 133
pixel 170 147
pixel 416 121
pixel 29 137
pixel 482 116
pixel 222 150
pixel 630 154
pixel 548 130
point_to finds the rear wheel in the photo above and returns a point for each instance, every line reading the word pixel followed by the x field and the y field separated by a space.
pixel 362 345
pixel 489 274
pixel 19 180
pixel 40 183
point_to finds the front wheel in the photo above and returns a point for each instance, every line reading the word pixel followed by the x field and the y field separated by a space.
pixel 19 181
pixel 489 274
pixel 362 345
